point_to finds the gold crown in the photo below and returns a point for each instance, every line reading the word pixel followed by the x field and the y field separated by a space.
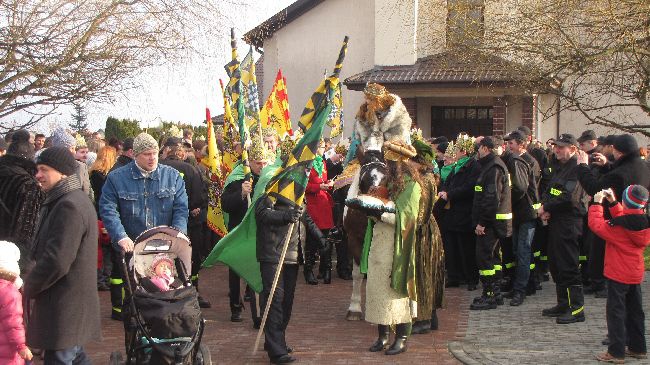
pixel 81 141
pixel 269 132
pixel 289 143
pixel 375 90
pixel 416 134
pixel 257 150
pixel 465 142
pixel 450 151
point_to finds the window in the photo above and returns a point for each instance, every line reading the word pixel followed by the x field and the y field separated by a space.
pixel 465 22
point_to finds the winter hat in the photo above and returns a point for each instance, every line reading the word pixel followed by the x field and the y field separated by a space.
pixel 635 196
pixel 60 159
pixel 61 137
pixel 588 135
pixel 9 256
pixel 161 258
pixel 626 144
pixel 144 142
pixel 442 147
pixel 20 145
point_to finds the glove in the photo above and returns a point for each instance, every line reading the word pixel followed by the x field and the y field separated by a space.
pixel 325 247
pixel 598 197
pixel 292 215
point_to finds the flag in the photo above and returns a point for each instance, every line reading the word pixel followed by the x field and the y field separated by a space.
pixel 275 112
pixel 335 119
pixel 215 185
pixel 238 249
pixel 230 135
pixel 249 90
pixel 289 184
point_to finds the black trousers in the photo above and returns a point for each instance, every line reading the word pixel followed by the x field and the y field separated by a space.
pixel 311 248
pixel 625 318
pixel 279 314
pixel 236 299
pixel 464 245
pixel 486 254
pixel 563 250
pixel 117 282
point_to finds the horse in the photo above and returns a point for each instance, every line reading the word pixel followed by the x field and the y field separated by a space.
pixel 370 179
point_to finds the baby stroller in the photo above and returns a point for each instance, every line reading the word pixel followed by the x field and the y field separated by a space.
pixel 161 327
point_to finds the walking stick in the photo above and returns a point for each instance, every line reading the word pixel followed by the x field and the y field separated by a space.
pixel 275 283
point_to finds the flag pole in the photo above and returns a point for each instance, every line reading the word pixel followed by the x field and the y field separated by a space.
pixel 275 283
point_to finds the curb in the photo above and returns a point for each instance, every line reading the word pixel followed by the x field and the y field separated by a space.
pixel 468 354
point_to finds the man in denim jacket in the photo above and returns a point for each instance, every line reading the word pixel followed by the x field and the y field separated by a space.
pixel 136 197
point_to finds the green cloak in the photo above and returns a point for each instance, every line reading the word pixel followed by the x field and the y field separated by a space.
pixel 407 208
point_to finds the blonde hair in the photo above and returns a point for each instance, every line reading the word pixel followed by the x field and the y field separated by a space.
pixel 106 158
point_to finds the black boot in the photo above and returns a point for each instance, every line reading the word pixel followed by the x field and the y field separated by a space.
pixel 488 300
pixel 561 306
pixel 309 276
pixel 434 320
pixel 402 331
pixel 235 312
pixel 517 299
pixel 327 277
pixel 575 311
pixel 421 327
pixel 382 339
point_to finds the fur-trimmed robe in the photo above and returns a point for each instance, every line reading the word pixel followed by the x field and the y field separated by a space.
pixel 391 124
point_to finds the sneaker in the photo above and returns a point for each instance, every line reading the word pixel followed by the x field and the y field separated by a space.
pixel 607 357
pixel 636 355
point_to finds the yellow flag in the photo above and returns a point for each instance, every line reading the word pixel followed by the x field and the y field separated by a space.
pixel 275 112
pixel 215 184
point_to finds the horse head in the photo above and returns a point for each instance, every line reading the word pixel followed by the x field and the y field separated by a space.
pixel 373 175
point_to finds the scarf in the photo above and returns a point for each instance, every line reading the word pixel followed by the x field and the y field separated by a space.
pixel 460 163
pixel 318 165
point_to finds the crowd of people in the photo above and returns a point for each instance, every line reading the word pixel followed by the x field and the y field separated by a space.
pixel 506 209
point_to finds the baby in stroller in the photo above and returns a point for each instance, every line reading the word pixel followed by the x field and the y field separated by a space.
pixel 162 275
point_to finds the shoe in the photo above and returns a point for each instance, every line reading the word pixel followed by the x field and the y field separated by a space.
pixel 607 357
pixel 576 310
pixel 421 327
pixel 636 355
pixel 235 313
pixel 555 311
pixel 382 338
pixel 485 303
pixel 601 293
pixel 309 277
pixel 289 350
pixel 247 296
pixel 509 294
pixel 401 335
pixel 284 359
pixel 327 277
pixel 517 299
pixel 116 316
pixel 257 322
pixel 499 299
pixel 204 303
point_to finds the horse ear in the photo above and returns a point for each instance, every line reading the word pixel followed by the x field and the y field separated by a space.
pixel 360 153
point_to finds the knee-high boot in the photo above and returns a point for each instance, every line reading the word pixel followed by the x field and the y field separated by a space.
pixel 382 339
pixel 402 332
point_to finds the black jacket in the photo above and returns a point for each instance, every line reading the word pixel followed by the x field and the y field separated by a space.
pixel 63 281
pixel 121 161
pixel 629 169
pixel 233 203
pixel 564 196
pixel 193 182
pixel 524 187
pixel 20 199
pixel 460 194
pixel 491 204
pixel 273 227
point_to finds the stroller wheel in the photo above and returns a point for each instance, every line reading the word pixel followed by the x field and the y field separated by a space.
pixel 116 358
pixel 203 356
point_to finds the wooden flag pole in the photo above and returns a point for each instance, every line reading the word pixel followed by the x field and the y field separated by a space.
pixel 275 283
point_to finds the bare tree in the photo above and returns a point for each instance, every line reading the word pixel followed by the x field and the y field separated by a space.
pixel 60 52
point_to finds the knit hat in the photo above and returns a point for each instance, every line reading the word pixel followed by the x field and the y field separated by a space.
pixel 20 145
pixel 144 142
pixel 626 144
pixel 61 137
pixel 635 196
pixel 525 130
pixel 588 135
pixel 161 257
pixel 60 159
pixel 9 256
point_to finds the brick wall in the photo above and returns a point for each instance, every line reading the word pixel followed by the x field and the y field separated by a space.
pixel 527 113
pixel 499 116
pixel 411 105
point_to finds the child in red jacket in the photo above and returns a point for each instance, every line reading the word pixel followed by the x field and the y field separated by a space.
pixel 626 235
pixel 13 350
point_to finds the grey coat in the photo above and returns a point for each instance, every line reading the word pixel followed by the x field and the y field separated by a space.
pixel 62 282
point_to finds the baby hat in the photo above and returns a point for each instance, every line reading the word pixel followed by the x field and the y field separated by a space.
pixel 9 256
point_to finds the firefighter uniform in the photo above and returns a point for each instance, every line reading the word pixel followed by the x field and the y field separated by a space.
pixel 566 202
pixel 490 209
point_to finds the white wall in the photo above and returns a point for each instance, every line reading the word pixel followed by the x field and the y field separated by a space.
pixel 310 44
pixel 396 32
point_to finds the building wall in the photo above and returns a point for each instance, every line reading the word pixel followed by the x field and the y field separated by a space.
pixel 396 26
pixel 432 26
pixel 309 45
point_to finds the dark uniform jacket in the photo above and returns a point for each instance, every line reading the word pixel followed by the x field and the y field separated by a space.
pixel 491 205
pixel 273 227
pixel 196 196
pixel 524 187
pixel 627 170
pixel 460 194
pixel 233 203
pixel 122 160
pixel 564 196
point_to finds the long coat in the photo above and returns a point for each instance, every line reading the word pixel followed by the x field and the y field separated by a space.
pixel 319 202
pixel 63 281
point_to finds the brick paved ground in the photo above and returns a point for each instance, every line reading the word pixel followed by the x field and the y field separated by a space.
pixel 318 330
pixel 520 335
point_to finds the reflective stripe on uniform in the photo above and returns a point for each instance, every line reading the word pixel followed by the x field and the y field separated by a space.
pixel 498 268
pixel 115 281
pixel 117 309
pixel 510 265
pixel 537 206
pixel 543 258
pixel 195 277
pixel 577 311
pixel 487 272
pixel 582 258
pixel 504 216
pixel 478 188
pixel 532 266
pixel 555 192
pixel 537 253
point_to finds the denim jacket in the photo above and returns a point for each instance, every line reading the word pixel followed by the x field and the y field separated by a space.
pixel 131 203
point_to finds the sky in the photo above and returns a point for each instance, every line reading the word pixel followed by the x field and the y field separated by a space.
pixel 180 91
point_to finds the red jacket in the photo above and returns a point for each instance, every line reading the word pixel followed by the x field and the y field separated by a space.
pixel 625 241
pixel 104 240
pixel 319 202
pixel 12 330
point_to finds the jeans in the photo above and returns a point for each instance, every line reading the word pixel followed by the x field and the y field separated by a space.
pixel 522 238
pixel 70 356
